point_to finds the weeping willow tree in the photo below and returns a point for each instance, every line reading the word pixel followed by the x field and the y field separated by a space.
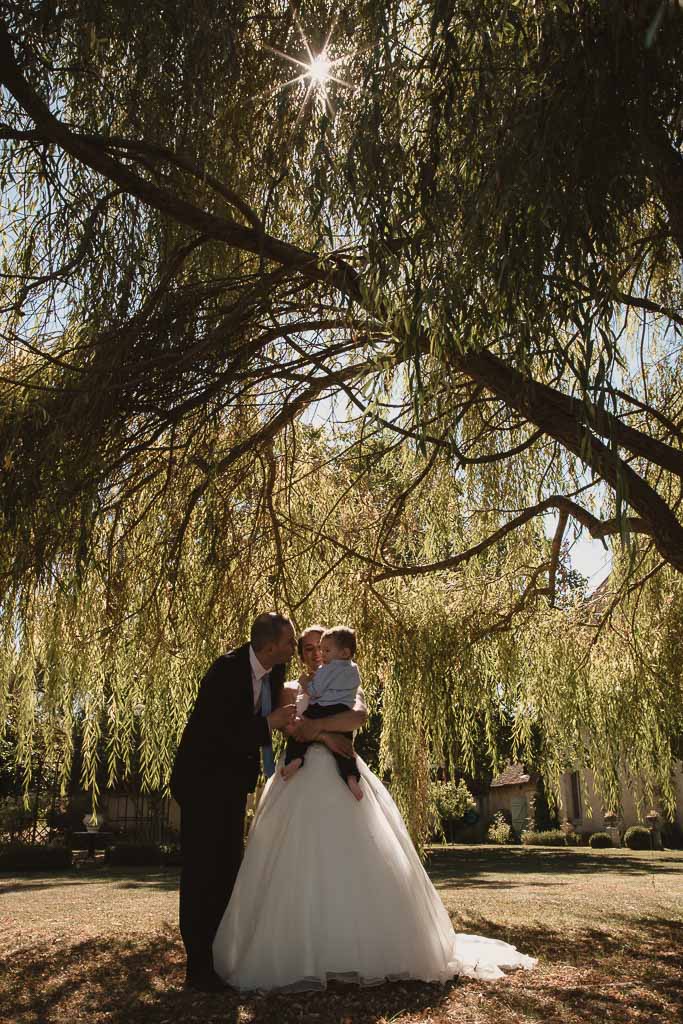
pixel 339 337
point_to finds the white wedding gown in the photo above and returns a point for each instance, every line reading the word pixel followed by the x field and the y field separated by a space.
pixel 333 888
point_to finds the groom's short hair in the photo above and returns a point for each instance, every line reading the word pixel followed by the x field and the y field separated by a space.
pixel 307 632
pixel 266 629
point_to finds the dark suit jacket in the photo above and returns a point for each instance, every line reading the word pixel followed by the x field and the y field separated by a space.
pixel 220 746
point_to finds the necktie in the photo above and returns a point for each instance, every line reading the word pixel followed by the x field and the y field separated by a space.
pixel 266 708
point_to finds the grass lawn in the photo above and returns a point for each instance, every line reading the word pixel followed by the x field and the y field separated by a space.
pixel 99 944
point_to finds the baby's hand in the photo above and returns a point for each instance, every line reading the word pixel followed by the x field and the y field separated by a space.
pixel 305 681
pixel 281 717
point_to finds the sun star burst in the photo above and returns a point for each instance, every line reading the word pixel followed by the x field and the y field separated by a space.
pixel 315 75
pixel 319 69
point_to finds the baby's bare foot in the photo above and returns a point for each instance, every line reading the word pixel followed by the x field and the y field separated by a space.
pixel 354 786
pixel 290 769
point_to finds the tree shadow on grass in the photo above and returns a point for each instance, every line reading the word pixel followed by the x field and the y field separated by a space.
pixel 166 881
pixel 447 881
pixel 15 885
pixel 468 864
pixel 138 980
pixel 119 878
pixel 630 973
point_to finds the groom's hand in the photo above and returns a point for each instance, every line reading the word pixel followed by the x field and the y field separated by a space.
pixel 280 718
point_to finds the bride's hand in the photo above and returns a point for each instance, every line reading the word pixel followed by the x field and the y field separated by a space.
pixel 337 743
pixel 306 730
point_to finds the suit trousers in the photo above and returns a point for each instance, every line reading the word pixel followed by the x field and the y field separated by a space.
pixel 212 844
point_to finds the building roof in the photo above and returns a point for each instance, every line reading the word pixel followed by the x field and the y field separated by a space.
pixel 513 775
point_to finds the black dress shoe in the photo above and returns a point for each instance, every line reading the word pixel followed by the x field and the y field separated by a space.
pixel 208 982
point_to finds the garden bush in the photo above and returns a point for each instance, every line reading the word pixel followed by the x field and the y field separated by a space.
pixel 23 857
pixel 638 837
pixel 135 855
pixel 600 841
pixel 448 803
pixel 500 831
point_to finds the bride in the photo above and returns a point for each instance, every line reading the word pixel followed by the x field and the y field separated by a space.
pixel 332 888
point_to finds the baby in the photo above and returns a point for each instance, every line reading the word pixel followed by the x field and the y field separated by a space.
pixel 332 690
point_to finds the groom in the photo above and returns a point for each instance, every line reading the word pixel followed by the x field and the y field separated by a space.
pixel 217 764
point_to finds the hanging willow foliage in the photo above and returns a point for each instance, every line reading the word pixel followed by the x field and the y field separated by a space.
pixel 344 359
pixel 122 649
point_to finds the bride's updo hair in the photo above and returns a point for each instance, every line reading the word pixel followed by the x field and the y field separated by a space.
pixel 343 636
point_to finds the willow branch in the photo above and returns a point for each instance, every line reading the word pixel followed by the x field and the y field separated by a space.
pixel 479 460
pixel 596 527
pixel 555 550
pixel 566 419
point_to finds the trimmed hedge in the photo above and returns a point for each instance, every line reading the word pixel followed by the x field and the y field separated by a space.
pixel 638 837
pixel 23 857
pixel 600 841
pixel 553 837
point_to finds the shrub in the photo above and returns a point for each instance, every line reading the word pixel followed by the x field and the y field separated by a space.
pixel 23 857
pixel 135 854
pixel 448 802
pixel 500 831
pixel 600 841
pixel 552 837
pixel 638 837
